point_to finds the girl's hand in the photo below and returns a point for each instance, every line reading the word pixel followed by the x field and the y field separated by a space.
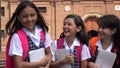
pixel 92 65
pixel 45 60
pixel 69 59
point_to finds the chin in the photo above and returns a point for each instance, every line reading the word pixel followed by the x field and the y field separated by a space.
pixel 66 35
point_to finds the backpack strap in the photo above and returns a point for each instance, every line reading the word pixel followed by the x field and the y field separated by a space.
pixel 60 43
pixel 24 41
pixel 78 48
pixel 42 35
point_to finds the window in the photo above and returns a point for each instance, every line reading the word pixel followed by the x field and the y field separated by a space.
pixel 2 11
pixel 2 33
pixel 42 9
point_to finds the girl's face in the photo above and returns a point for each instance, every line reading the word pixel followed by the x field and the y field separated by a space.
pixel 105 33
pixel 69 28
pixel 28 17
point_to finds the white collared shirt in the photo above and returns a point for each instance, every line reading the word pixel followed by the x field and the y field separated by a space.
pixel 16 46
pixel 99 44
pixel 85 54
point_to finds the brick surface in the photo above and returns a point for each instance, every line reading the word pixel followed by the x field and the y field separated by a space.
pixel 2 55
pixel 56 13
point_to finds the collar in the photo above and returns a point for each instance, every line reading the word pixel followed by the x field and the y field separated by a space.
pixel 99 44
pixel 37 31
pixel 76 42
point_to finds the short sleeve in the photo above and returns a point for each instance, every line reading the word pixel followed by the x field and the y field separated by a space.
pixel 48 40
pixel 15 46
pixel 53 48
pixel 85 53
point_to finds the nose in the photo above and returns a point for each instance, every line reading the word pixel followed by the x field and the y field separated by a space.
pixel 29 18
pixel 65 25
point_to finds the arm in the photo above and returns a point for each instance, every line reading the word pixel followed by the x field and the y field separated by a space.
pixel 85 55
pixel 48 52
pixel 84 64
pixel 19 63
pixel 47 43
pixel 92 65
pixel 57 64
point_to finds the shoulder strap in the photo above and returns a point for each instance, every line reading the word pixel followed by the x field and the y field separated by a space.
pixel 24 41
pixel 60 43
pixel 79 50
pixel 92 45
pixel 42 34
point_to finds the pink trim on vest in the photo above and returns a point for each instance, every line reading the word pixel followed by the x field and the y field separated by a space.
pixel 24 41
pixel 78 48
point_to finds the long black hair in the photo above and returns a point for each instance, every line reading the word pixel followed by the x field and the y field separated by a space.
pixel 14 24
pixel 81 35
pixel 112 22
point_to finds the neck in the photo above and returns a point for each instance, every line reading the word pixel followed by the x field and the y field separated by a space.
pixel 32 30
pixel 106 43
pixel 69 40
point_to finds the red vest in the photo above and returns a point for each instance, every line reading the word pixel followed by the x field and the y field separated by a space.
pixel 78 48
pixel 24 41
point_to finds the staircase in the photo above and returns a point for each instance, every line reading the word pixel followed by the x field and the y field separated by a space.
pixel 2 63
pixel 2 59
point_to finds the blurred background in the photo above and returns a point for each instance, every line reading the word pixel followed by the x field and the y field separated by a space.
pixel 54 12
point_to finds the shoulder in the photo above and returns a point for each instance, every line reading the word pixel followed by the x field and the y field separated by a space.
pixel 54 44
pixel 84 46
pixel 15 36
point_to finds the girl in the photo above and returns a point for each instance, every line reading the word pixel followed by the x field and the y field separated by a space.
pixel 25 29
pixel 108 40
pixel 75 39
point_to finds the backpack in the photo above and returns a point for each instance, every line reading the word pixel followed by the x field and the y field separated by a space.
pixel 93 47
pixel 78 48
pixel 24 41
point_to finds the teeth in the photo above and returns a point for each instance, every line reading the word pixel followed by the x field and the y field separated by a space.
pixel 66 30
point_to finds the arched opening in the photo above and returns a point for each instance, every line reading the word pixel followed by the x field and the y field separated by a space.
pixel 91 23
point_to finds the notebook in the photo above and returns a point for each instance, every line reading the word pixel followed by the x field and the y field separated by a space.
pixel 60 55
pixel 105 59
pixel 36 55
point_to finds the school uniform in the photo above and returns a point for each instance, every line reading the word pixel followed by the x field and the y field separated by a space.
pixel 16 45
pixel 96 45
pixel 85 54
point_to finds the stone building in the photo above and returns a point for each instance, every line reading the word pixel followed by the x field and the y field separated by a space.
pixel 54 12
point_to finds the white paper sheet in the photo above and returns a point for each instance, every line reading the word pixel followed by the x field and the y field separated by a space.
pixel 60 55
pixel 36 55
pixel 105 59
